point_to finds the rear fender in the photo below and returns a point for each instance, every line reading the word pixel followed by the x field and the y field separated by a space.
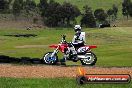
pixel 86 48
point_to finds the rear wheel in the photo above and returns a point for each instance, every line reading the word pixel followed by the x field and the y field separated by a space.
pixel 47 59
pixel 90 60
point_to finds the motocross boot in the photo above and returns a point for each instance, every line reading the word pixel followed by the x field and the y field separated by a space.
pixel 63 61
pixel 74 54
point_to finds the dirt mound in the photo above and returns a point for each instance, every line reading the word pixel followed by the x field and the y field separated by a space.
pixel 42 71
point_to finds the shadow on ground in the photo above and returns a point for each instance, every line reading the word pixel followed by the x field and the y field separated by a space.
pixel 24 60
pixel 22 35
pixel 21 60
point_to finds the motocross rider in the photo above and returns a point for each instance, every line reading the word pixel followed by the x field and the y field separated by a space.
pixel 77 41
pixel 79 37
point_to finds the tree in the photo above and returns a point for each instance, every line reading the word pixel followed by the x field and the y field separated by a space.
pixel 51 14
pixel 88 19
pixel 58 15
pixel 4 5
pixel 110 12
pixel 29 6
pixel 43 6
pixel 70 12
pixel 125 7
pixel 100 15
pixel 115 11
pixel 130 9
pixel 17 7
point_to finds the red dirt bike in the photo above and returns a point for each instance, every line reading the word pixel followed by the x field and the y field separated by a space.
pixel 84 53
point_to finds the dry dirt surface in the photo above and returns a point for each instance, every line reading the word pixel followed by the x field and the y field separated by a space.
pixel 44 71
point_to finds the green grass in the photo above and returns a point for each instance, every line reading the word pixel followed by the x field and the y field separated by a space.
pixel 53 83
pixel 114 44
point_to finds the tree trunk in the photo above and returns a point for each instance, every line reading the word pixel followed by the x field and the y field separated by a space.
pixel 68 21
pixel 127 16
pixel 109 18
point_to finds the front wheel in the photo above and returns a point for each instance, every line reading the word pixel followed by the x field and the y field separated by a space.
pixel 47 59
pixel 90 59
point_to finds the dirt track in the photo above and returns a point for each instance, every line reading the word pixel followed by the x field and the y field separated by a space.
pixel 19 71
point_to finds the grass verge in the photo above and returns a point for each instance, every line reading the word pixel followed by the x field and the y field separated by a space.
pixel 53 83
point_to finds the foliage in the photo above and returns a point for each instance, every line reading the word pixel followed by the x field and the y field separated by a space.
pixel 67 16
pixel 126 8
pixel 29 7
pixel 130 9
pixel 51 15
pixel 43 6
pixel 100 15
pixel 110 12
pixel 17 7
pixel 4 5
pixel 70 12
pixel 115 11
pixel 88 18
pixel 56 14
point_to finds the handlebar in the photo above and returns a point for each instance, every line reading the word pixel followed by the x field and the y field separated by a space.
pixel 63 40
pixel 64 37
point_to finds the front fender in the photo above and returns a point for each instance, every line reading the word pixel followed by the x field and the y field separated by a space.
pixel 53 46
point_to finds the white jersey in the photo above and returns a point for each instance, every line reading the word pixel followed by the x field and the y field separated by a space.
pixel 81 38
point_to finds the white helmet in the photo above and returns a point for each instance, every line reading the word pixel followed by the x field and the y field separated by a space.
pixel 77 28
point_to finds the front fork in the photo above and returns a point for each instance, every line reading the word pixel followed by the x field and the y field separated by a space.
pixel 55 51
